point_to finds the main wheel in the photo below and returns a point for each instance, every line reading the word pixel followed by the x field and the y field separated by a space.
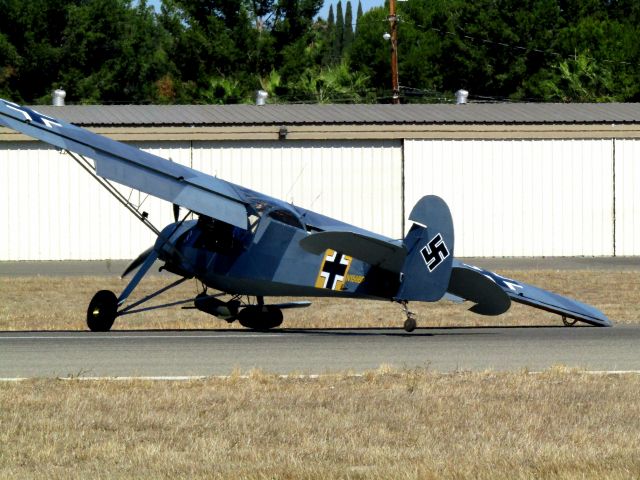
pixel 102 311
pixel 568 322
pixel 259 317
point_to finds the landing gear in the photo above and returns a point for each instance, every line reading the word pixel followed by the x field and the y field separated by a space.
pixel 102 311
pixel 410 323
pixel 260 317
pixel 568 322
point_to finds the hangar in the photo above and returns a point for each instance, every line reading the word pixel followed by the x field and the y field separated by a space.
pixel 522 180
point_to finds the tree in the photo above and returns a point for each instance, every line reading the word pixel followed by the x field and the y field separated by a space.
pixel 359 15
pixel 297 43
pixel 329 35
pixel 112 52
pixel 339 32
pixel 336 84
pixel 347 33
pixel 30 54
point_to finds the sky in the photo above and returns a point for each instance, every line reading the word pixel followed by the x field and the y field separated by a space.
pixel 366 5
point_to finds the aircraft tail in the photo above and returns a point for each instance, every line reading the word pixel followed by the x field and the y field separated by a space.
pixel 427 267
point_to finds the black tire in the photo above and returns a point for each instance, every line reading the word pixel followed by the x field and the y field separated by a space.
pixel 102 311
pixel 410 325
pixel 258 317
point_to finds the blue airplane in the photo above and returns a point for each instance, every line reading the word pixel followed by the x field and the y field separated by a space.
pixel 249 246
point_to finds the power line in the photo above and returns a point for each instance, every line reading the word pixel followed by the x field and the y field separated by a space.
pixel 504 44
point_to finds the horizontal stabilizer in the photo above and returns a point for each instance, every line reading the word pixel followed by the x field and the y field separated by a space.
pixel 472 285
pixel 517 292
pixel 132 167
pixel 374 251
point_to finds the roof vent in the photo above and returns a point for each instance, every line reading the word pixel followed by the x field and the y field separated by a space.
pixel 461 97
pixel 261 97
pixel 57 97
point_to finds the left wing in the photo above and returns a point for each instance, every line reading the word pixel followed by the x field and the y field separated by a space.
pixel 135 168
pixel 493 294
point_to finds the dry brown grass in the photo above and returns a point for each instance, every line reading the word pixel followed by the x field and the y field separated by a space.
pixel 385 424
pixel 42 303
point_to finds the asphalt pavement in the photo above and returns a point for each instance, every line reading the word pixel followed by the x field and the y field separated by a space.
pixel 314 351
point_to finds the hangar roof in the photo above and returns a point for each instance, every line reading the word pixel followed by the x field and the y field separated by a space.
pixel 301 115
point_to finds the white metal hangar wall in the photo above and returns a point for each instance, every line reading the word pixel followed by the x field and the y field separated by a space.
pixel 520 198
pixel 534 188
pixel 53 210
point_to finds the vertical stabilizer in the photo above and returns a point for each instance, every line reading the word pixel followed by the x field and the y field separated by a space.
pixel 427 267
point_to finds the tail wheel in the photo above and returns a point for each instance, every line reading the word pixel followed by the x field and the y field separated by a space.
pixel 102 311
pixel 568 322
pixel 410 324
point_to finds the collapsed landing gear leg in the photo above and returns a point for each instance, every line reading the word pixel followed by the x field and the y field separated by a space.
pixel 410 323
pixel 103 308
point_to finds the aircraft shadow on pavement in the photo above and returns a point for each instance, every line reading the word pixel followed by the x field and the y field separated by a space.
pixel 345 331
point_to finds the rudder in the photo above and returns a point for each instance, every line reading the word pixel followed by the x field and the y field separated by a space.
pixel 429 243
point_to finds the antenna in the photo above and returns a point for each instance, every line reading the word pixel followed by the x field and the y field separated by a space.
pixel 304 166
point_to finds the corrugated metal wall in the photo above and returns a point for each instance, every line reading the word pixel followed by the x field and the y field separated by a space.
pixel 519 197
pixel 508 197
pixel 356 182
pixel 627 182
pixel 52 210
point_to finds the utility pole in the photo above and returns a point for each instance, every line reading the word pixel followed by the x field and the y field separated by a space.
pixel 393 21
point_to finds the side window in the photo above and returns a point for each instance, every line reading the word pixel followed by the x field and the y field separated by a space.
pixel 287 218
pixel 218 236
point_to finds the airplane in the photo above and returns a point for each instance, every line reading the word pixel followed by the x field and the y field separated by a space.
pixel 248 246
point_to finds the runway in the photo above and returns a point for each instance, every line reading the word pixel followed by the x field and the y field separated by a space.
pixel 219 352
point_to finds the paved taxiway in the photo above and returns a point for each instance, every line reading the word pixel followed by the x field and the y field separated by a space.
pixel 219 352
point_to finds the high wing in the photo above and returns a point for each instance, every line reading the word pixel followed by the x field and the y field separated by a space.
pixel 493 294
pixel 137 169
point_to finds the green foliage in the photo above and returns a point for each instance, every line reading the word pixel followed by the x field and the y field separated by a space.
pixel 221 51
pixel 580 80
pixel 336 84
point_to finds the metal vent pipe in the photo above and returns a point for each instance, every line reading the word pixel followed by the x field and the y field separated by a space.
pixel 261 97
pixel 461 97
pixel 57 97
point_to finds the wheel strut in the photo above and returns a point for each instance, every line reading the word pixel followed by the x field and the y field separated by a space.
pixel 410 323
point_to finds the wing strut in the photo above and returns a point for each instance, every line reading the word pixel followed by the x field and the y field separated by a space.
pixel 109 187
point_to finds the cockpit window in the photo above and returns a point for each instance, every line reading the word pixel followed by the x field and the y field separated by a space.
pixel 287 218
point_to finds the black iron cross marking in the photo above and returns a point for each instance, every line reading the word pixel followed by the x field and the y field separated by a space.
pixel 335 266
pixel 434 252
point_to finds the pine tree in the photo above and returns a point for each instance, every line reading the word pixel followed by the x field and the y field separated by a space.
pixel 358 15
pixel 329 36
pixel 347 35
pixel 339 32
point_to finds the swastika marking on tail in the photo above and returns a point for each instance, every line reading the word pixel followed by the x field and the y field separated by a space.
pixel 435 252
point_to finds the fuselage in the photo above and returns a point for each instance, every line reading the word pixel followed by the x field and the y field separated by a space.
pixel 267 260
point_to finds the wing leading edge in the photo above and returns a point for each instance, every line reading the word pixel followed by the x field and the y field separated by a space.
pixel 132 167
